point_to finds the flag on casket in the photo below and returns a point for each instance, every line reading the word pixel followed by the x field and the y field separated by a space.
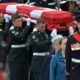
pixel 54 18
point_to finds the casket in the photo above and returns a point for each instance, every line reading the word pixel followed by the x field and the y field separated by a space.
pixel 54 18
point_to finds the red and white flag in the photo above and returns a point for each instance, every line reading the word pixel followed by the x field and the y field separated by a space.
pixel 53 17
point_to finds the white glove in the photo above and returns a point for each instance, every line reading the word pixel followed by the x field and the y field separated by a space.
pixel 12 27
pixel 7 17
pixel 58 36
pixel 35 29
pixel 28 20
pixel 71 30
pixel 53 33
pixel 34 21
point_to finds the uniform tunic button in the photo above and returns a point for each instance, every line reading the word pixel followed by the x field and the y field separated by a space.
pixel 73 68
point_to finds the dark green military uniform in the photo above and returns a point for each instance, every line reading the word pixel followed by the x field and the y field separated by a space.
pixel 73 57
pixel 40 43
pixel 3 45
pixel 72 54
pixel 17 59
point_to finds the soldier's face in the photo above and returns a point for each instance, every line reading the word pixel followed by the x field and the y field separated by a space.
pixel 42 27
pixel 78 25
pixel 1 18
pixel 74 23
pixel 17 22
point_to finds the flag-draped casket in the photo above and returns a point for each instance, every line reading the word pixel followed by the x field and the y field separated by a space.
pixel 54 18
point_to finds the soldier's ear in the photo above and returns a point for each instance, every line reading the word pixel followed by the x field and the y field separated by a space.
pixel 36 25
pixel 12 22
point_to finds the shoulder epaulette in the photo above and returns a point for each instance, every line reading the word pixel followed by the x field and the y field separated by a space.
pixel 76 36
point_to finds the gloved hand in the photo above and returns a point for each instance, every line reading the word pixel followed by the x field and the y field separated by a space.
pixel 35 29
pixel 7 17
pixel 53 33
pixel 56 38
pixel 28 21
pixel 71 31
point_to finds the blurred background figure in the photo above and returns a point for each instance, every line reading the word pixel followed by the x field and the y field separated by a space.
pixel 42 3
pixel 76 11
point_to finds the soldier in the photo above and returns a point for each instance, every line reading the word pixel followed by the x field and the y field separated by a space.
pixel 73 54
pixel 40 43
pixel 17 58
pixel 4 28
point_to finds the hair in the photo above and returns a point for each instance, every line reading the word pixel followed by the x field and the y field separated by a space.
pixel 41 20
pixel 15 16
pixel 62 40
pixel 54 43
pixel 57 41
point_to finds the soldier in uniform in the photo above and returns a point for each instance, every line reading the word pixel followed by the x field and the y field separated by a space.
pixel 17 58
pixel 40 43
pixel 73 54
pixel 4 28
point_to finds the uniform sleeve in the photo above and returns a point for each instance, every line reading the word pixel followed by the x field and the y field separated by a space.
pixel 7 26
pixel 52 75
pixel 68 55
pixel 20 35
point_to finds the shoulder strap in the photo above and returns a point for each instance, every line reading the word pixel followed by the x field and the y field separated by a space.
pixel 76 36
